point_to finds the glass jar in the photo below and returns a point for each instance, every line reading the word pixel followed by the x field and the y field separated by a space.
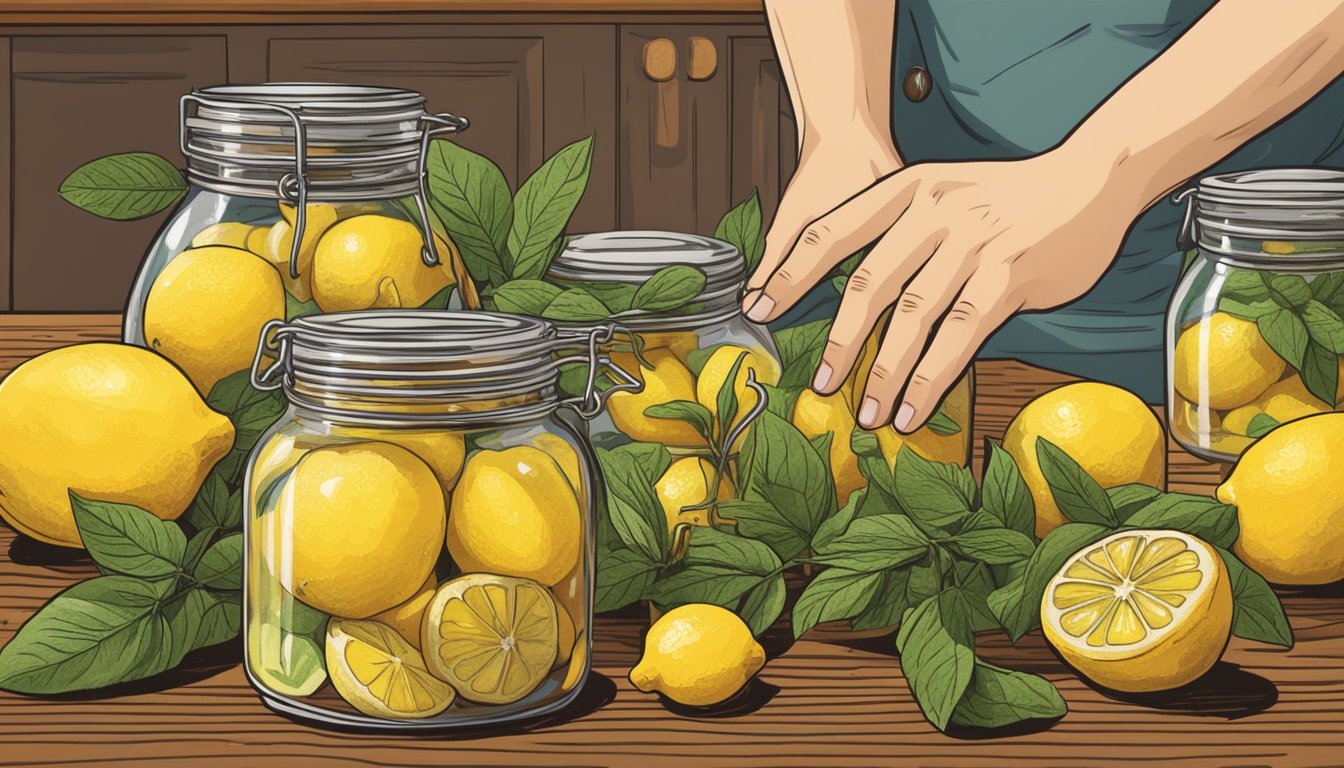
pixel 302 198
pixel 1254 330
pixel 419 522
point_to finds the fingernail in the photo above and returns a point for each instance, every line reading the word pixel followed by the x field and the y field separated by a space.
pixel 903 416
pixel 761 309
pixel 822 378
pixel 868 412
pixel 750 299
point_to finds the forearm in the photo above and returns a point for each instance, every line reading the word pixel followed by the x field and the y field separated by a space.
pixel 1239 70
pixel 836 60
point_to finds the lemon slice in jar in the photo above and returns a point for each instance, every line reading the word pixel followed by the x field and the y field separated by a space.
pixel 377 672
pixel 1141 610
pixel 493 638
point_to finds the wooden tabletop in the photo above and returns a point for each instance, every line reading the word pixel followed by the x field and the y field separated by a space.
pixel 816 703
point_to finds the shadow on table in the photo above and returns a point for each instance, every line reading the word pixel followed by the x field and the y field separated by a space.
pixel 1226 691
pixel 757 694
pixel 31 552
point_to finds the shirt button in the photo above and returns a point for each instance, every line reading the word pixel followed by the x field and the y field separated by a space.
pixel 917 83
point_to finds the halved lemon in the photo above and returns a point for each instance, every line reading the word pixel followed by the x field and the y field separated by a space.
pixel 493 638
pixel 380 674
pixel 1142 610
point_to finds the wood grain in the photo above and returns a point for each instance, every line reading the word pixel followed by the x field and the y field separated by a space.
pixel 834 704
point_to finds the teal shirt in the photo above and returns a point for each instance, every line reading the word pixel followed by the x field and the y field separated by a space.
pixel 1012 78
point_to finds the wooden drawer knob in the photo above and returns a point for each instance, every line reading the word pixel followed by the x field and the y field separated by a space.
pixel 703 58
pixel 660 60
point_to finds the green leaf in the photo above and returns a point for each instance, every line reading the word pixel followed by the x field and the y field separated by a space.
pixel 215 506
pixel 788 474
pixel 741 227
pixel 833 595
pixel 779 401
pixel 764 604
pixel 1286 334
pixel 999 697
pixel 1324 326
pixel 251 410
pixel 942 424
pixel 635 512
pixel 543 205
pixel 1004 493
pixel 1257 613
pixel 295 309
pixel 653 458
pixel 936 664
pixel 440 300
pixel 574 305
pixel 669 288
pixel 1325 286
pixel 1245 283
pixel 201 618
pixel 889 603
pixel 1246 310
pixel 125 539
pixel 726 399
pixel 617 297
pixel 470 196
pixel 760 520
pixel 838 284
pixel 1130 498
pixel 1079 497
pixel 838 523
pixel 721 569
pixel 525 297
pixel 1290 290
pixel 1017 605
pixel 124 187
pixel 692 413
pixel 623 576
pixel 800 349
pixel 1198 516
pixel 293 662
pixel 221 566
pixel 875 543
pixel 1320 372
pixel 934 493
pixel 196 547
pixel 1260 425
pixel 100 632
pixel 993 546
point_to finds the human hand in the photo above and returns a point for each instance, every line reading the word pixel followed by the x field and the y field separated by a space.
pixel 958 248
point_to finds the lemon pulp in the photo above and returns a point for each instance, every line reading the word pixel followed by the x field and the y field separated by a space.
pixel 377 672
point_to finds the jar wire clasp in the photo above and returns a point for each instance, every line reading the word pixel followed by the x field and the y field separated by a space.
pixel 762 402
pixel 593 400
pixel 274 339
pixel 446 123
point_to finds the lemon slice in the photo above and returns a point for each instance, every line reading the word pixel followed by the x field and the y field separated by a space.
pixel 493 638
pixel 380 674
pixel 1140 610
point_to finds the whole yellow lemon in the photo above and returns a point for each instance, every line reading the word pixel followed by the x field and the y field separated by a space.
pixel 205 311
pixel 668 380
pixel 111 422
pixel 280 244
pixel 374 262
pixel 515 514
pixel 686 484
pixel 1224 362
pixel 1110 432
pixel 815 415
pixel 715 373
pixel 698 655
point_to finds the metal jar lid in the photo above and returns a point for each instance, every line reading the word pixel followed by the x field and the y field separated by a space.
pixel 451 368
pixel 634 257
pixel 1234 214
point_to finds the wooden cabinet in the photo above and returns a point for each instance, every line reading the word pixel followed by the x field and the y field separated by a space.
pixel 669 154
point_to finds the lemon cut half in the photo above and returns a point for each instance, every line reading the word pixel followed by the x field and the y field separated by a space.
pixel 1143 610
pixel 380 674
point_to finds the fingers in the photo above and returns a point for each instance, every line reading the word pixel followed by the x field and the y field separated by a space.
pixel 828 241
pixel 924 300
pixel 789 223
pixel 980 309
pixel 875 285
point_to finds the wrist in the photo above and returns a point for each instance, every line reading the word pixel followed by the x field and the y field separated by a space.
pixel 1112 170
pixel 849 144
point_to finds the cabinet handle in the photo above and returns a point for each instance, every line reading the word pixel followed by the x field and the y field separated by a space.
pixel 660 60
pixel 660 66
pixel 703 58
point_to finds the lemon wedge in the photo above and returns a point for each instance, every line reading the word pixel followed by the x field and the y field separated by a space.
pixel 380 674
pixel 1143 610
pixel 493 638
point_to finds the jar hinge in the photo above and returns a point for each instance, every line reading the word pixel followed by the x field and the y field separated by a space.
pixel 448 123
pixel 762 402
pixel 592 401
pixel 1187 238
pixel 274 338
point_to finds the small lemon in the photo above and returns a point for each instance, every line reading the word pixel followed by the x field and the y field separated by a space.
pixel 564 454
pixel 1290 502
pixel 679 343
pixel 515 515
pixel 372 261
pixel 364 525
pixel 953 448
pixel 815 415
pixel 1224 362
pixel 698 655
pixel 1238 420
pixel 669 380
pixel 715 373
pixel 686 484
pixel 493 638
pixel 578 663
pixel 205 311
pixel 110 422
pixel 407 617
pixel 377 672
pixel 280 245
pixel 1140 610
pixel 1289 399
pixel 234 234
pixel 442 449
pixel 1109 431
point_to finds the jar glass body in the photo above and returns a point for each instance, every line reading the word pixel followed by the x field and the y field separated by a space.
pixel 362 531
pixel 1251 343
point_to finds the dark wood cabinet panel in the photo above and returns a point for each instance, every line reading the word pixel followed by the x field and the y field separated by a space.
pixel 73 99
pixel 764 138
pixel 527 91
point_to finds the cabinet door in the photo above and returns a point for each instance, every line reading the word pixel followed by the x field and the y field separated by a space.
pixel 75 99
pixel 695 145
pixel 527 90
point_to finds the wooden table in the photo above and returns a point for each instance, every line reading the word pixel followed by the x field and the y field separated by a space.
pixel 815 704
